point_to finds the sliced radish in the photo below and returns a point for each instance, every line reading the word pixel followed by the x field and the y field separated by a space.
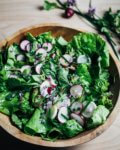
pixel 76 91
pixel 52 82
pixel 42 52
pixel 38 68
pixel 87 113
pixel 49 105
pixel 53 55
pixel 77 118
pixel 20 57
pixel 63 114
pixel 63 62
pixel 72 68
pixel 39 45
pixel 76 107
pixel 26 69
pixel 68 58
pixel 47 46
pixel 53 112
pixel 45 84
pixel 28 47
pixel 13 76
pixel 64 103
pixel 23 44
pixel 82 59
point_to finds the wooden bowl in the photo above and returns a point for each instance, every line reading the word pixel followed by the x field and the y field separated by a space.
pixel 67 33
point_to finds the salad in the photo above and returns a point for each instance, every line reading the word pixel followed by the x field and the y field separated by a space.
pixel 53 88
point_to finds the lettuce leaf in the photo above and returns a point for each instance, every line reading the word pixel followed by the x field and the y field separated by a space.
pixel 99 116
pixel 71 128
pixel 34 126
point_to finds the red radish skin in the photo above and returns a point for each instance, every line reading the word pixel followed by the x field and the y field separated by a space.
pixel 78 118
pixel 69 12
pixel 23 44
pixel 47 46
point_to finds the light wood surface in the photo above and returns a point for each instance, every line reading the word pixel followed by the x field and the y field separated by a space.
pixel 16 14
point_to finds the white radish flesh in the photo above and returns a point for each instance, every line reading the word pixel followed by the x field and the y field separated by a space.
pixel 87 113
pixel 26 69
pixel 64 103
pixel 20 57
pixel 38 68
pixel 63 114
pixel 47 46
pixel 76 91
pixel 76 107
pixel 42 52
pixel 63 62
pixel 68 58
pixel 49 105
pixel 23 44
pixel 77 118
pixel 72 68
pixel 82 59
pixel 28 47
pixel 39 46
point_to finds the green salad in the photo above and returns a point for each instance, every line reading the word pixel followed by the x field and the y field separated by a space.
pixel 53 88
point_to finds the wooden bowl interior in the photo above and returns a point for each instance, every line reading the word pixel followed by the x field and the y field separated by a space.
pixel 67 33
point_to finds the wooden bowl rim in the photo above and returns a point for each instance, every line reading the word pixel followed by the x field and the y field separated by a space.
pixel 12 130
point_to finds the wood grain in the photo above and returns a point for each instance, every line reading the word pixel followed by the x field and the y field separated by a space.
pixel 17 14
pixel 67 33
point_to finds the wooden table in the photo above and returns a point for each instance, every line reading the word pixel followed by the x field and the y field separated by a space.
pixel 17 14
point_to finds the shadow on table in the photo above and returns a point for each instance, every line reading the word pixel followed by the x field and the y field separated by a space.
pixel 8 141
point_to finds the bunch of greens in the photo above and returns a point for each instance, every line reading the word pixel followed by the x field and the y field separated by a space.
pixel 53 88
pixel 109 23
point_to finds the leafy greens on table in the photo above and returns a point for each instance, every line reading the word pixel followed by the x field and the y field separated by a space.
pixel 53 88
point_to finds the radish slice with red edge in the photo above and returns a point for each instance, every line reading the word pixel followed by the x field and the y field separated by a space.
pixel 38 68
pixel 78 118
pixel 87 113
pixel 83 59
pixel 28 47
pixel 26 69
pixel 41 51
pixel 76 91
pixel 23 44
pixel 47 46
pixel 68 58
pixel 20 57
pixel 63 114
pixel 63 62
pixel 39 45
pixel 76 107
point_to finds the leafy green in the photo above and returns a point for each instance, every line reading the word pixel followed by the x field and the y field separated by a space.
pixel 62 41
pixel 8 106
pixel 49 5
pixel 23 89
pixel 99 116
pixel 16 121
pixel 63 77
pixel 71 128
pixel 34 126
pixel 83 72
pixel 106 101
pixel 30 37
